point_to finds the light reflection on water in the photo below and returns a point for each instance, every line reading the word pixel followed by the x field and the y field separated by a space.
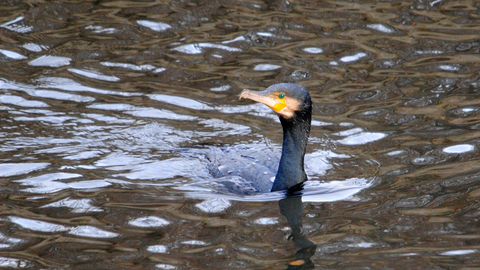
pixel 111 113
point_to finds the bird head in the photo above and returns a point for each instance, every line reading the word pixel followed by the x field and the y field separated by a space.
pixel 285 99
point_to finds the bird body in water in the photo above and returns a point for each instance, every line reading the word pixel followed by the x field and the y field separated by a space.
pixel 293 105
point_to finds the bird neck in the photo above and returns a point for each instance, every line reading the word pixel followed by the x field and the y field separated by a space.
pixel 295 136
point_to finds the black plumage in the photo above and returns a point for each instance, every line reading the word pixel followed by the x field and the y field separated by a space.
pixel 293 105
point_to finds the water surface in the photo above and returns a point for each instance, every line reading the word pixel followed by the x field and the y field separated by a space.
pixel 110 112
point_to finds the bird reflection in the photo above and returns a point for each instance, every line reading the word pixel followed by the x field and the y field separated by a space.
pixel 292 209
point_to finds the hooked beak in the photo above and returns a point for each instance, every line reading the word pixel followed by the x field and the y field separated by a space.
pixel 265 97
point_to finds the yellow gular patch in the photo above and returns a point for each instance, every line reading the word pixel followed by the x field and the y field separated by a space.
pixel 291 106
pixel 279 104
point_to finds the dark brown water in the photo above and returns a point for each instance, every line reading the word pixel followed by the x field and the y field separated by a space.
pixel 109 111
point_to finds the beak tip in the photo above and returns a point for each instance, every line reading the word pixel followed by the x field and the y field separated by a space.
pixel 244 94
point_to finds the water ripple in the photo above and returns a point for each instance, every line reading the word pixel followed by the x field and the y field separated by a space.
pixel 77 205
pixel 148 222
pixel 155 26
pixel 197 48
pixel 13 55
pixel 50 61
pixel 90 231
pixel 37 225
pixel 94 75
pixel 11 169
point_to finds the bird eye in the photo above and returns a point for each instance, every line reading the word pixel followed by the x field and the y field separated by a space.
pixel 281 96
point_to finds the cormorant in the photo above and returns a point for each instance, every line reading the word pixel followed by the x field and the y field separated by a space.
pixel 293 105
